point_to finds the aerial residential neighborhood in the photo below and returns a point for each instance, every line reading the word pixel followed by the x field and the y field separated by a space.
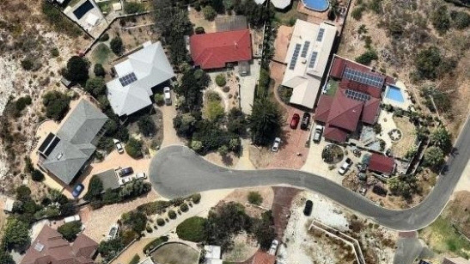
pixel 234 131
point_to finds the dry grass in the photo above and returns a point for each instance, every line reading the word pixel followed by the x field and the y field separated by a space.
pixel 408 138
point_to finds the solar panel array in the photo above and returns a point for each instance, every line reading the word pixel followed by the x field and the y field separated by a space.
pixel 357 95
pixel 364 78
pixel 295 56
pixel 128 79
pixel 320 34
pixel 313 59
pixel 305 49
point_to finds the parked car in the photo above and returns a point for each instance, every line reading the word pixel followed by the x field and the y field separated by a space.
pixel 273 248
pixel 308 208
pixel 118 145
pixel 167 95
pixel 363 191
pixel 305 121
pixel 276 144
pixel 124 180
pixel 72 218
pixel 113 231
pixel 141 175
pixel 126 171
pixel 317 133
pixel 294 122
pixel 346 165
pixel 77 190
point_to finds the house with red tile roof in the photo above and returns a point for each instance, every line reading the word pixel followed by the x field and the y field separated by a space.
pixel 215 50
pixel 382 164
pixel 357 99
pixel 50 248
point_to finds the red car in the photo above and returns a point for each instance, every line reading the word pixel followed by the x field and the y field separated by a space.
pixel 294 121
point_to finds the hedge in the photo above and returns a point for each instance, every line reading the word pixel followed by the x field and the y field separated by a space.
pixel 192 229
pixel 155 243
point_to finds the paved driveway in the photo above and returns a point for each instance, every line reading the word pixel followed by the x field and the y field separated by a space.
pixel 171 179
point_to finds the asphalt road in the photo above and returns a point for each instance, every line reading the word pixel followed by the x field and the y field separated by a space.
pixel 177 171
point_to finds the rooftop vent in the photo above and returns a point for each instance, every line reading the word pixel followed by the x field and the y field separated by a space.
pixel 39 247
pixel 59 156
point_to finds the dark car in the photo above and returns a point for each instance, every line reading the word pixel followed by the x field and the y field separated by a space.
pixel 305 121
pixel 126 171
pixel 77 190
pixel 308 208
pixel 294 122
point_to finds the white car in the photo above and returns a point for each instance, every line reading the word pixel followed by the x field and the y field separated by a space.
pixel 141 175
pixel 167 95
pixel 276 144
pixel 113 232
pixel 273 248
pixel 119 147
pixel 346 165
pixel 317 133
pixel 124 180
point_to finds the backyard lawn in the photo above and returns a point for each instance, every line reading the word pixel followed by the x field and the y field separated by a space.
pixel 401 147
pixel 101 54
pixel 175 253
pixel 289 17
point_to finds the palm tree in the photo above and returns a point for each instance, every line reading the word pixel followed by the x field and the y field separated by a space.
pixel 334 10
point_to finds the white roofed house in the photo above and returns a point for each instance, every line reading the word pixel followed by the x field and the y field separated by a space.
pixel 136 77
pixel 307 57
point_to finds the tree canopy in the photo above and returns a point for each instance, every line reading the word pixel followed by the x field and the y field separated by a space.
pixel 433 157
pixel 70 230
pixel 116 45
pixel 134 148
pixel 77 69
pixel 192 229
pixel 16 234
pixel 264 122
pixel 146 126
pixel 136 220
pixel 57 104
pixel 95 86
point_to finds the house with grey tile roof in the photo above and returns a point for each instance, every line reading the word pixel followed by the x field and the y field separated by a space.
pixel 142 71
pixel 66 153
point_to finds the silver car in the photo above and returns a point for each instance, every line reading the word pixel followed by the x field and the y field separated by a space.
pixel 167 95
pixel 276 144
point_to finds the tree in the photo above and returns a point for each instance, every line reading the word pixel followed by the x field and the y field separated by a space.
pixel 57 104
pixel 116 45
pixel 70 230
pixel 209 13
pixel 433 157
pixel 16 234
pixel 367 57
pixel 5 257
pixel 184 124
pixel 37 175
pixel 236 122
pixel 99 71
pixel 95 86
pixel 23 193
pixel 109 248
pixel 192 229
pixel 133 8
pixel 223 150
pixel 136 220
pixel 334 10
pixel 461 19
pixel 134 148
pixel 146 126
pixel 264 122
pixel 442 139
pixel 77 69
pixel 95 189
pixel 220 80
pixel 440 19
pixel 264 230
pixel 214 110
pixel 428 62
pixel 255 198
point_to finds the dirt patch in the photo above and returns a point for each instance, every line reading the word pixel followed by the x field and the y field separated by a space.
pixel 241 196
pixel 283 197
pixel 175 253
pixel 229 160
pixel 153 141
pixel 243 248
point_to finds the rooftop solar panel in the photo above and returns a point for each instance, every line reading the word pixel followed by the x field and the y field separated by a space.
pixel 357 95
pixel 51 147
pixel 293 60
pixel 320 34
pixel 313 58
pixel 46 142
pixel 305 49
pixel 127 79
pixel 364 78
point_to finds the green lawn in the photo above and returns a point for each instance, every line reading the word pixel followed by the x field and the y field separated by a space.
pixel 443 237
pixel 332 87
pixel 101 53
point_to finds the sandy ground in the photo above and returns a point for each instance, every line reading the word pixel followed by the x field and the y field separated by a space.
pixel 302 248
pixel 241 196
pixel 281 43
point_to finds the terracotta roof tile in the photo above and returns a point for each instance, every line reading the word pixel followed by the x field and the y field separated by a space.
pixel 214 50
pixel 335 134
pixel 370 111
pixel 323 108
pixel 381 163
pixel 345 112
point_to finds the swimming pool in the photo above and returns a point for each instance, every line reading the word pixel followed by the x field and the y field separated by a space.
pixel 316 5
pixel 83 9
pixel 394 93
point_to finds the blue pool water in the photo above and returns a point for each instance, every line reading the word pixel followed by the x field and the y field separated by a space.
pixel 317 5
pixel 394 93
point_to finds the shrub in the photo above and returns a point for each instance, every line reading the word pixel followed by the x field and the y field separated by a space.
pixel 22 102
pixel 70 230
pixel 95 188
pixel 196 198
pixel 54 52
pixel 440 19
pixel 77 69
pixel 357 12
pixel 95 86
pixel 255 198
pixel 192 229
pixel 136 220
pixel 220 80
pixel 146 126
pixel 57 104
pixel 104 37
pixel 135 259
pixel 199 30
pixel 152 208
pixel 98 70
pixel 209 12
pixel 116 45
pixel 134 148
pixel 37 175
pixel 214 110
pixel 172 214
pixel 461 19
pixel 16 233
pixel 133 7
pixel 156 242
pixel 184 207
pixel 367 57
pixel 160 222
pixel 226 89
pixel 27 64
pixel 149 229
pixel 59 21
pixel 159 99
